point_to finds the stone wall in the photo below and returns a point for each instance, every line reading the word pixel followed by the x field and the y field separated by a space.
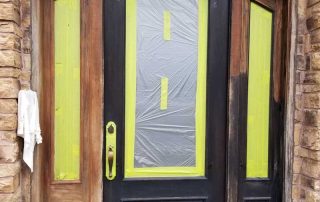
pixel 15 66
pixel 306 166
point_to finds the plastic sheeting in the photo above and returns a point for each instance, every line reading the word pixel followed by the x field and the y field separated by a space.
pixel 166 137
pixel 166 48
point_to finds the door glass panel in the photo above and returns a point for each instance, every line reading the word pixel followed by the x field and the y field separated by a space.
pixel 259 91
pixel 166 55
pixel 67 90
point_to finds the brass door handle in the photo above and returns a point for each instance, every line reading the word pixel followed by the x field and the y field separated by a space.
pixel 110 160
pixel 111 150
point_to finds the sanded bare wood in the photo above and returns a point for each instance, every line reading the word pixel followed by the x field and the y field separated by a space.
pixel 244 59
pixel 289 98
pixel 236 35
pixel 271 4
pixel 37 176
pixel 89 187
pixel 46 95
pixel 233 109
pixel 92 61
pixel 278 51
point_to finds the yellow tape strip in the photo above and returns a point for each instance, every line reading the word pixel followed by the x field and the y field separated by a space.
pixel 201 87
pixel 130 84
pixel 259 92
pixel 67 90
pixel 164 93
pixel 166 25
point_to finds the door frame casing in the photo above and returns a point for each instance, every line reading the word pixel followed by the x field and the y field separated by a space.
pixel 89 187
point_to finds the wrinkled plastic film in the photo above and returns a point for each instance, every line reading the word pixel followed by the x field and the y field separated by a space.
pixel 167 50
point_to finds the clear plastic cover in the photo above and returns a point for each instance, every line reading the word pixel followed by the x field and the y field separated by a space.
pixel 166 83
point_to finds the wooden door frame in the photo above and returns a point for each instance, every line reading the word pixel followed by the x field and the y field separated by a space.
pixel 238 66
pixel 89 187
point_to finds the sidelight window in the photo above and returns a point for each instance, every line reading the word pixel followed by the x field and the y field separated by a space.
pixel 259 91
pixel 67 90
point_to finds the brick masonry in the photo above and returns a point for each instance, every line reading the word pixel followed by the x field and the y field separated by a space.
pixel 15 68
pixel 306 164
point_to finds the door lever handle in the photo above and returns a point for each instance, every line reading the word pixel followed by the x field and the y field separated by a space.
pixel 111 150
pixel 110 160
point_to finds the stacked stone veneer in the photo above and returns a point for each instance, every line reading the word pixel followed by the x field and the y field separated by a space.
pixel 15 68
pixel 306 165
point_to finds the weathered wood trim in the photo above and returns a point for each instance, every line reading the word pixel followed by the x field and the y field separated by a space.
pixel 233 104
pixel 36 61
pixel 289 101
pixel 45 103
pixel 271 4
pixel 93 65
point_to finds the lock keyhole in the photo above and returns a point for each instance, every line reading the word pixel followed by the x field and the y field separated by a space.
pixel 111 129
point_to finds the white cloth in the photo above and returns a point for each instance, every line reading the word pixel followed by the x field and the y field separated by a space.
pixel 28 124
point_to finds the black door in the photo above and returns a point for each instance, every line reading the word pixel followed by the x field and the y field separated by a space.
pixel 165 100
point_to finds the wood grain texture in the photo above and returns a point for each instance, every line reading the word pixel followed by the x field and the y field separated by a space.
pixel 238 79
pixel 233 102
pixel 89 188
pixel 267 3
pixel 93 63
pixel 36 83
pixel 278 50
pixel 289 82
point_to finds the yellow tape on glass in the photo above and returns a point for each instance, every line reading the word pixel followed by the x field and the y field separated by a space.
pixel 259 92
pixel 164 93
pixel 67 90
pixel 130 85
pixel 166 25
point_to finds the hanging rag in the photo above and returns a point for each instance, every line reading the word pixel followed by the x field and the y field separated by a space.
pixel 28 124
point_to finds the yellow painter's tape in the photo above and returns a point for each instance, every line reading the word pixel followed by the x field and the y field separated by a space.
pixel 259 92
pixel 164 93
pixel 166 25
